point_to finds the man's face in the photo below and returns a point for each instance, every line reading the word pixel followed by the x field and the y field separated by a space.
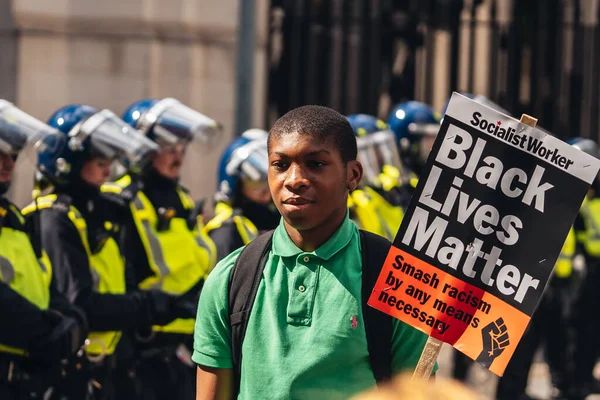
pixel 96 171
pixel 309 182
pixel 7 165
pixel 169 160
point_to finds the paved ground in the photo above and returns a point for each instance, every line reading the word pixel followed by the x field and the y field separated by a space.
pixel 484 382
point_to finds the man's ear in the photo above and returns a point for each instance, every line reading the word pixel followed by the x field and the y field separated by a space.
pixel 354 174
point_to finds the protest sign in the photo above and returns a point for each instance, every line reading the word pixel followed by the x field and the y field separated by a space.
pixel 482 232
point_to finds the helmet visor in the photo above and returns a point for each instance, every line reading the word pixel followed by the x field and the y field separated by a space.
pixel 368 158
pixel 251 160
pixel 386 150
pixel 18 129
pixel 423 129
pixel 113 138
pixel 173 123
pixel 587 146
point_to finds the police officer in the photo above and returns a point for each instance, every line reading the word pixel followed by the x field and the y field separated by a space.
pixel 243 205
pixel 164 247
pixel 79 230
pixel 384 170
pixel 586 324
pixel 373 205
pixel 39 327
pixel 548 328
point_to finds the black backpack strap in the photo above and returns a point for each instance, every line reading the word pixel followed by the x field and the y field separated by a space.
pixel 243 284
pixel 378 325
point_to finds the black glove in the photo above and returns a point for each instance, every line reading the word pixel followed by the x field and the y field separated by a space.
pixel 65 339
pixel 160 306
pixel 184 308
pixel 79 315
pixel 72 311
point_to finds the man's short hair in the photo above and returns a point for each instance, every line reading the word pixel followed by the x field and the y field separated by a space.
pixel 319 122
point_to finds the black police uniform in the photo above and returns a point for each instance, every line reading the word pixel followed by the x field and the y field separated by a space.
pixel 105 312
pixel 159 372
pixel 547 329
pixel 585 323
pixel 227 237
pixel 46 335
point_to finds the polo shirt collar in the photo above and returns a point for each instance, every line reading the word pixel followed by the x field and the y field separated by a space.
pixel 283 246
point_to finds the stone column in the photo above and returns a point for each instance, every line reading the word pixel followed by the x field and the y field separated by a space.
pixel 8 55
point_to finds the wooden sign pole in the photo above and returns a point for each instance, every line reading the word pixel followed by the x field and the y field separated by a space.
pixel 428 358
pixel 433 346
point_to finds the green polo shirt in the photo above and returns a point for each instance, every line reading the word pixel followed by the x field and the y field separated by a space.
pixel 305 338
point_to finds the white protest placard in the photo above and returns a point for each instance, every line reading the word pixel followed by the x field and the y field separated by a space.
pixel 483 231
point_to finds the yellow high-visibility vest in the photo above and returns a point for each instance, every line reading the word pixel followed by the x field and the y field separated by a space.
pixel 564 264
pixel 21 270
pixel 107 267
pixel 179 256
pixel 224 213
pixel 374 214
pixel 590 237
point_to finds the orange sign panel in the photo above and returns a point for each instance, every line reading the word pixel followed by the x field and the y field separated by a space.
pixel 477 323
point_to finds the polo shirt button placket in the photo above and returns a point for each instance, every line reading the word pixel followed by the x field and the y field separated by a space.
pixel 302 288
pixel 305 275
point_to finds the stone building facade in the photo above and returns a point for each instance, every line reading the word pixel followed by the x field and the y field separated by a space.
pixel 110 53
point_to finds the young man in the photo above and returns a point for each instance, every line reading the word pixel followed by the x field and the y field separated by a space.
pixel 305 336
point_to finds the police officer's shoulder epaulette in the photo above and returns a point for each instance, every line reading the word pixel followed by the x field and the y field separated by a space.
pixel 62 203
pixel 130 191
pixel 186 198
pixel 237 212
pixel 8 207
pixel 111 187
pixel 4 203
pixel 125 190
pixel 223 214
pixel 114 199
pixel 10 215
pixel 184 189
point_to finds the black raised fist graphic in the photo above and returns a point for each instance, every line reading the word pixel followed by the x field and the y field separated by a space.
pixel 495 340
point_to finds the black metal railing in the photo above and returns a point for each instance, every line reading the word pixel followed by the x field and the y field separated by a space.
pixel 367 55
